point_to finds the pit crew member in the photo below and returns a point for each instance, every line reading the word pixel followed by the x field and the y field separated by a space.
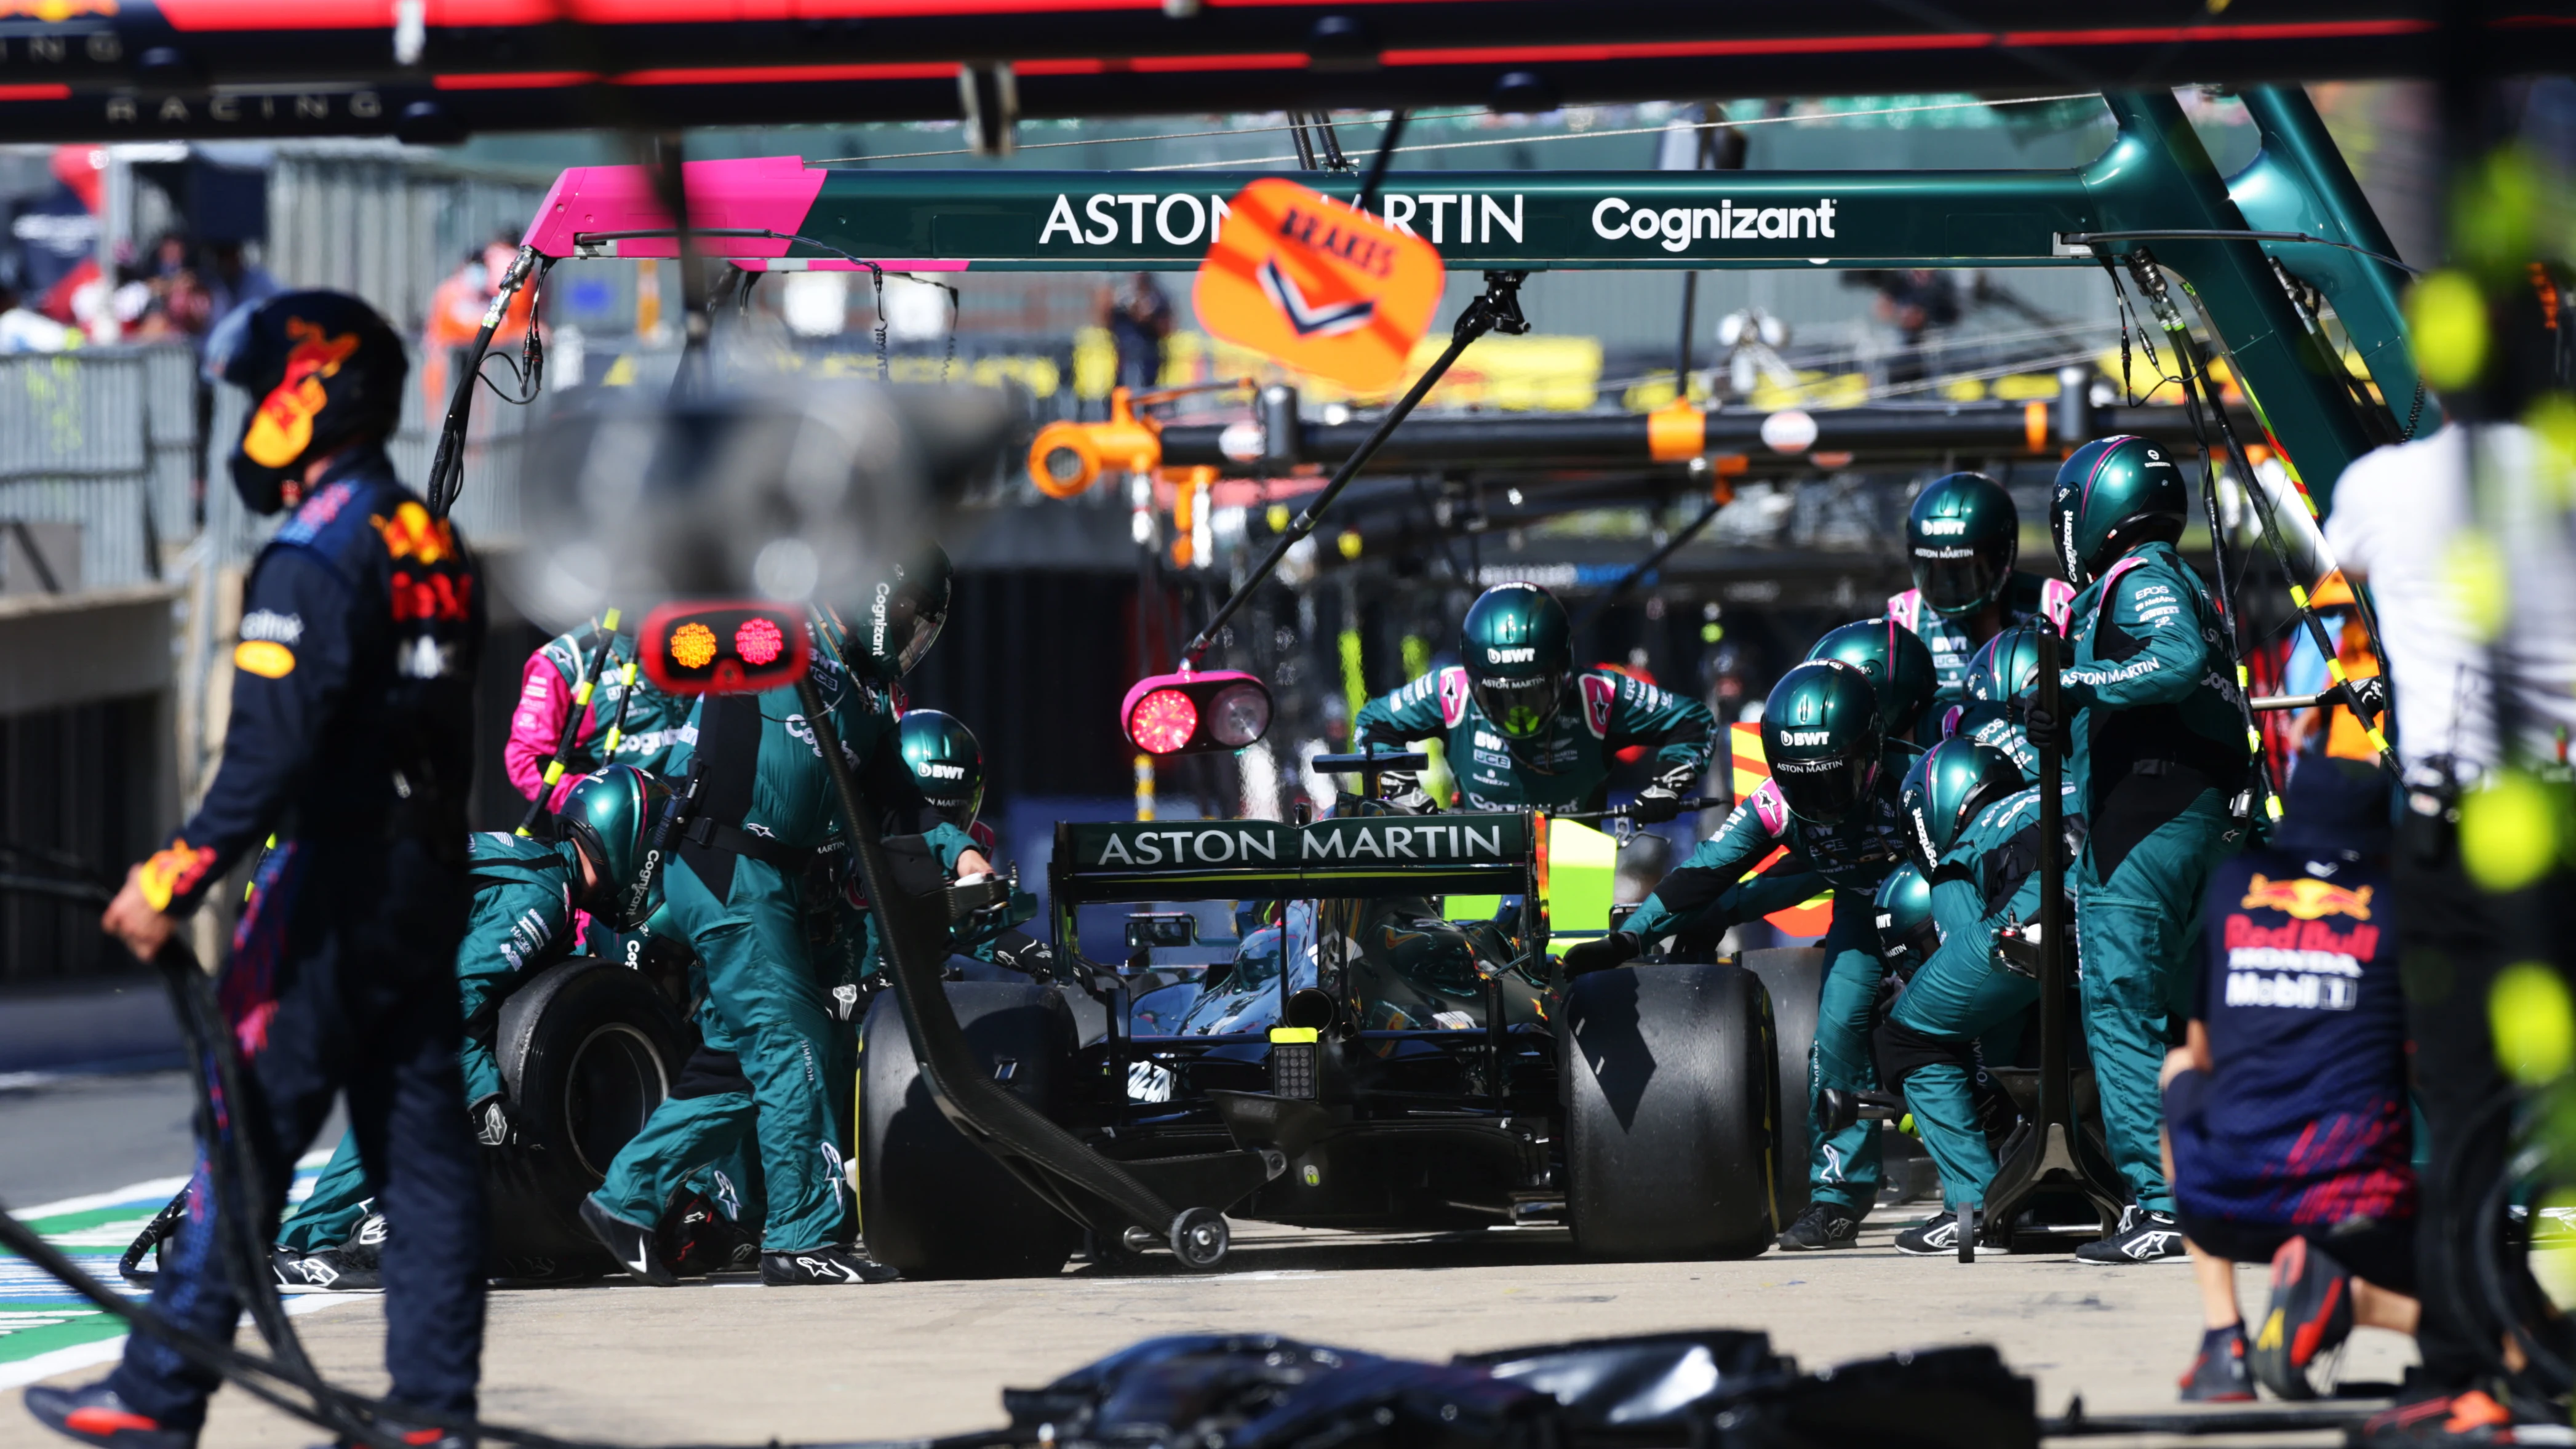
pixel 351 740
pixel 1961 538
pixel 1523 727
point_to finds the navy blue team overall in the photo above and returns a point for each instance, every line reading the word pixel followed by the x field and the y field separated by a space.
pixel 351 739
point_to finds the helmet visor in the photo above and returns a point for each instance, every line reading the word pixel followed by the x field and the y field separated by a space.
pixel 1825 790
pixel 959 810
pixel 918 639
pixel 1520 708
pixel 1959 578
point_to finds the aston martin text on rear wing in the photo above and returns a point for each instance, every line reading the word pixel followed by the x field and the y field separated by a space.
pixel 1487 854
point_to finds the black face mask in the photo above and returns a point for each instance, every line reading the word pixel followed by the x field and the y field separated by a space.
pixel 1961 584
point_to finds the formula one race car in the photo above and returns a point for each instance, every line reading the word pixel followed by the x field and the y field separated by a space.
pixel 1362 1061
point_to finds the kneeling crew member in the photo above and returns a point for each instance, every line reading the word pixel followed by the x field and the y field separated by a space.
pixel 1899 668
pixel 1999 680
pixel 1977 826
pixel 352 741
pixel 1831 802
pixel 1962 537
pixel 1523 727
pixel 2161 764
pixel 525 894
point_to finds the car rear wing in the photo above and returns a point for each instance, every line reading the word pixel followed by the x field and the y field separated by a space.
pixel 1369 855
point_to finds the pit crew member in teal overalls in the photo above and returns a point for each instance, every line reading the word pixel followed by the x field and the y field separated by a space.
pixel 525 895
pixel 1961 538
pixel 2155 728
pixel 1523 727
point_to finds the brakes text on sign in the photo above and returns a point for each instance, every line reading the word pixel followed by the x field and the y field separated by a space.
pixel 1317 285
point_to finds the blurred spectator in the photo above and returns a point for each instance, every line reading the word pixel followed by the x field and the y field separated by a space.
pixel 1139 318
pixel 23 329
pixel 2288 1131
pixel 232 281
pixel 1914 301
pixel 455 314
pixel 2306 674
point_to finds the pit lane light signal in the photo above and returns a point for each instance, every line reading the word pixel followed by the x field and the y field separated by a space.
pixel 724 648
pixel 1192 714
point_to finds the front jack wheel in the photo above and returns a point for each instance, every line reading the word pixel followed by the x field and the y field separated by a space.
pixel 1200 1238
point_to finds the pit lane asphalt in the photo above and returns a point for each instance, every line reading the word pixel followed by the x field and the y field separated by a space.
pixel 728 1362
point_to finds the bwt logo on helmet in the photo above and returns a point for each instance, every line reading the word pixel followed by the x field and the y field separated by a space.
pixel 1806 737
pixel 1676 227
pixel 1523 655
pixel 944 772
pixel 1945 527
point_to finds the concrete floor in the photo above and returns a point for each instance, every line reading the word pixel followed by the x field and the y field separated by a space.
pixel 730 1362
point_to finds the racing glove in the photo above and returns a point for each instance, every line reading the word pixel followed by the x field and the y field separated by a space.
pixel 2052 732
pixel 1403 790
pixel 1655 805
pixel 1602 953
pixel 494 1124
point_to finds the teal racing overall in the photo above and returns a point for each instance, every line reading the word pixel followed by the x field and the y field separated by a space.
pixel 1928 1049
pixel 764 806
pixel 2026 598
pixel 1852 857
pixel 521 923
pixel 2160 758
pixel 1568 768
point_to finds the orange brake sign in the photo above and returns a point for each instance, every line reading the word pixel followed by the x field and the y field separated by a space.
pixel 1318 286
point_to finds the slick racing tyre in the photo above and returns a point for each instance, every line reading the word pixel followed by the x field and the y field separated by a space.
pixel 587 1051
pixel 1795 977
pixel 1668 1081
pixel 930 1202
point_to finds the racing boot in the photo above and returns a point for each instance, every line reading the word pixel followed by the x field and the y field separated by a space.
pixel 830 1264
pixel 331 1270
pixel 2310 1316
pixel 95 1415
pixel 632 1247
pixel 2144 1236
pixel 1822 1225
pixel 2217 1372
pixel 1934 1237
pixel 698 1239
pixel 419 1436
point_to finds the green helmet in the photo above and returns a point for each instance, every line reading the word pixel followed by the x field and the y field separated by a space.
pixel 1897 661
pixel 2006 666
pixel 1906 936
pixel 1961 538
pixel 609 817
pixel 2112 495
pixel 1823 737
pixel 1948 786
pixel 902 613
pixel 945 762
pixel 1519 653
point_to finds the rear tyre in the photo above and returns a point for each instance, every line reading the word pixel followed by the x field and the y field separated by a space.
pixel 1669 1080
pixel 932 1203
pixel 1795 978
pixel 587 1051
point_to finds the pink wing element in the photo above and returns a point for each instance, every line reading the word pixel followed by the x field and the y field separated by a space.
pixel 1771 808
pixel 1453 696
pixel 771 193
pixel 1599 695
pixel 1907 609
pixel 1950 722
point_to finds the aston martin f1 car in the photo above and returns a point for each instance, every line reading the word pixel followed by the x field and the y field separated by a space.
pixel 1363 1060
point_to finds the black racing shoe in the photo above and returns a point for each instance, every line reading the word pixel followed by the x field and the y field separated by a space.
pixel 827 1265
pixel 1934 1237
pixel 419 1436
pixel 95 1415
pixel 2310 1316
pixel 697 1239
pixel 2144 1236
pixel 631 1246
pixel 332 1270
pixel 2217 1372
pixel 1822 1225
